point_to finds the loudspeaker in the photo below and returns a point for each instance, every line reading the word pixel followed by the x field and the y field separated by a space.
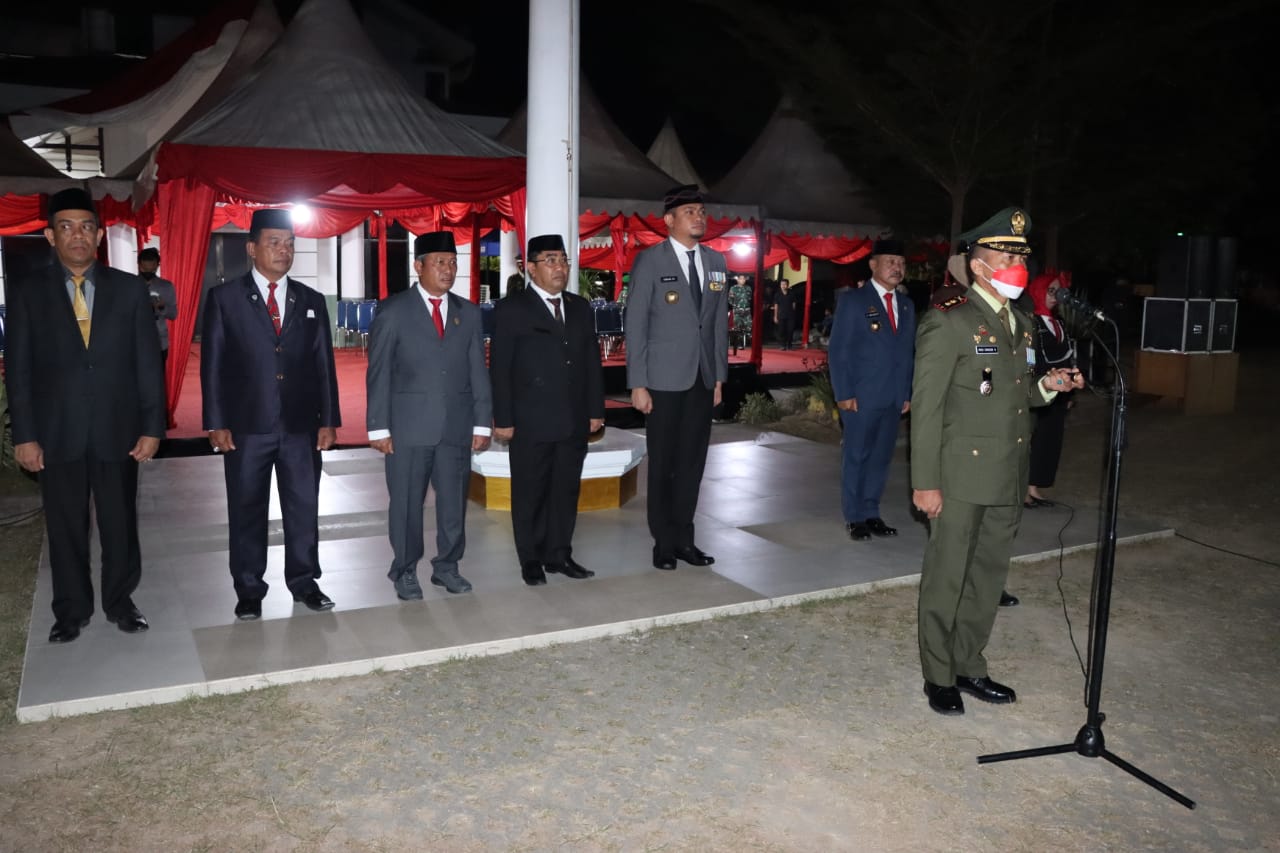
pixel 1224 267
pixel 1176 325
pixel 1186 268
pixel 1222 335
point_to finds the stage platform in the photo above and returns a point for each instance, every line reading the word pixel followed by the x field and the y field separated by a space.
pixel 769 513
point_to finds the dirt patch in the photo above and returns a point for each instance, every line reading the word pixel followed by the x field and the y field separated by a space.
pixel 800 729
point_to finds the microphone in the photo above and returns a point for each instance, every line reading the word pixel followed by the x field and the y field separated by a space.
pixel 1077 303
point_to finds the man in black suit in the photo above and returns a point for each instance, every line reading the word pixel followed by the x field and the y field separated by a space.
pixel 548 395
pixel 677 363
pixel 270 402
pixel 86 396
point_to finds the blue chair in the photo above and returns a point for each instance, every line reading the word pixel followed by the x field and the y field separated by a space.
pixel 487 318
pixel 340 323
pixel 364 319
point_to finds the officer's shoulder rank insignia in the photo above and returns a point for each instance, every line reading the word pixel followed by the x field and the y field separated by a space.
pixel 952 302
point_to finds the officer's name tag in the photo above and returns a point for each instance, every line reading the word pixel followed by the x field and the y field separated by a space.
pixel 986 350
pixel 667 278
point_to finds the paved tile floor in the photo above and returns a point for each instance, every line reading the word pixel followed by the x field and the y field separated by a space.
pixel 769 512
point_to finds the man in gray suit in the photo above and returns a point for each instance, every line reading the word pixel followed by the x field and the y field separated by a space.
pixel 429 407
pixel 677 363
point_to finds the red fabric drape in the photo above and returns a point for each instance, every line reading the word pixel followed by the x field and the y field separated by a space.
pixel 20 214
pixel 185 213
pixel 382 256
pixel 341 179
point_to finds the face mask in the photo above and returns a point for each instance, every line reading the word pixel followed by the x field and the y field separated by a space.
pixel 1009 282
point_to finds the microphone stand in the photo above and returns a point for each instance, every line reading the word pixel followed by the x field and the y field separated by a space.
pixel 1089 741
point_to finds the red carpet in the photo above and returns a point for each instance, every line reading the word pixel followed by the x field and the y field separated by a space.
pixel 351 363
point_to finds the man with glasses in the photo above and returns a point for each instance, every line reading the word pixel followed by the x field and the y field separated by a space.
pixel 548 396
pixel 677 363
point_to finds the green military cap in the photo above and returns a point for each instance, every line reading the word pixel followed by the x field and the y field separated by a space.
pixel 1005 232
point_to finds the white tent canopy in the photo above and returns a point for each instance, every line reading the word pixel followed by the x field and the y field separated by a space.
pixel 801 186
pixel 323 86
pixel 668 154
pixel 131 129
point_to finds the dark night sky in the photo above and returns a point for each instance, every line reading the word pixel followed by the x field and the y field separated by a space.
pixel 678 58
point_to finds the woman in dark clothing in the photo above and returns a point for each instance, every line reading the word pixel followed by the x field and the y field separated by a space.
pixel 1054 348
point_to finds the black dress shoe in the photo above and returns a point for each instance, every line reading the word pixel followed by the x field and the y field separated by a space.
pixel 987 690
pixel 666 562
pixel 131 621
pixel 1007 600
pixel 531 571
pixel 64 631
pixel 694 556
pixel 453 582
pixel 315 600
pixel 879 528
pixel 944 700
pixel 858 530
pixel 570 569
pixel 248 609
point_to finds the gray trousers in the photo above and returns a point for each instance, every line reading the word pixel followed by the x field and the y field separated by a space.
pixel 447 469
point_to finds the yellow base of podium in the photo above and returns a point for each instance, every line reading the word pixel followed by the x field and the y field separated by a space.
pixel 596 493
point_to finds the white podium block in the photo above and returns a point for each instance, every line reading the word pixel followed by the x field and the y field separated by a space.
pixel 608 473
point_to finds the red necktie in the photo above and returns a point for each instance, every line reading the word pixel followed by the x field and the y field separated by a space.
pixel 273 307
pixel 888 306
pixel 435 315
pixel 555 303
pixel 1057 329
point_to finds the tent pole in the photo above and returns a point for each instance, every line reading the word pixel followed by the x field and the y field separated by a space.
pixel 475 258
pixel 757 300
pixel 808 299
pixel 382 255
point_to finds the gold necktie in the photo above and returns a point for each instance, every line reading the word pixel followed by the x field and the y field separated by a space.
pixel 81 308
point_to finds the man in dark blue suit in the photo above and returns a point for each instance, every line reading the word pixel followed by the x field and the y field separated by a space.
pixel 270 402
pixel 871 353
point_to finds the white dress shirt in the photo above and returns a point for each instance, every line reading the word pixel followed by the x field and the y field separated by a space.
pixel 281 286
pixel 682 252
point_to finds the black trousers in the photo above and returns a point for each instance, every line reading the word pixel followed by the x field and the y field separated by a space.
pixel 677 433
pixel 247 470
pixel 1046 442
pixel 546 477
pixel 66 489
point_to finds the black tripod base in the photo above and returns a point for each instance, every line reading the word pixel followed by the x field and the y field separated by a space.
pixel 1090 743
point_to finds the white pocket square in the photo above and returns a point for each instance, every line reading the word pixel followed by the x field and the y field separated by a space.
pixel 311 313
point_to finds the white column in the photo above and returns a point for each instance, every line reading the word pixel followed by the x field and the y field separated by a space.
pixel 507 251
pixel 353 263
pixel 122 247
pixel 552 158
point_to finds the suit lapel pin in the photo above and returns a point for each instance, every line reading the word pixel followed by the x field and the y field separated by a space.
pixel 672 297
pixel 992 339
pixel 982 329
pixel 977 339
pixel 875 327
pixel 456 321
pixel 254 297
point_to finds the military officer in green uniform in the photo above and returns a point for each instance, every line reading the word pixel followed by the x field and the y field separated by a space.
pixel 971 422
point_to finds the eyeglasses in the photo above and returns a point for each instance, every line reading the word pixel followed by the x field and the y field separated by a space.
pixel 552 260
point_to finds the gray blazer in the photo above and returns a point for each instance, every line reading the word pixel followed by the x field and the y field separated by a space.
pixel 425 389
pixel 669 343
